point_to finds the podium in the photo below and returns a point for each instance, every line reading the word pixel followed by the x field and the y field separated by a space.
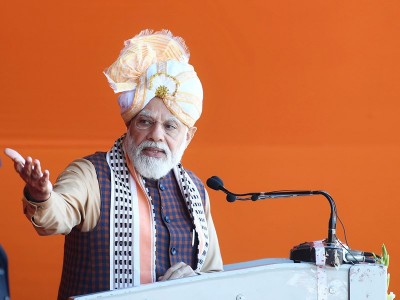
pixel 318 270
pixel 277 279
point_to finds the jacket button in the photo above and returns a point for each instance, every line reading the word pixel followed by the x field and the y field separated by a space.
pixel 167 219
pixel 162 187
pixel 173 251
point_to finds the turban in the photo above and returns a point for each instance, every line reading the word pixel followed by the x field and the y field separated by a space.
pixel 155 64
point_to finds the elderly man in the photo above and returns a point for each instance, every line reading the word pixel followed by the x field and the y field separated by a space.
pixel 132 215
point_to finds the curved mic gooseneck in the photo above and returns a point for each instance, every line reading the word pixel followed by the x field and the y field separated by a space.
pixel 217 184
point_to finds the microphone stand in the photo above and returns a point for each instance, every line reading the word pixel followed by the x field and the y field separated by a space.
pixel 333 250
pixel 308 251
pixel 305 252
pixel 283 194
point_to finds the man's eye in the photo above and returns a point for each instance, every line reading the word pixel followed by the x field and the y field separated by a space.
pixel 145 122
pixel 170 127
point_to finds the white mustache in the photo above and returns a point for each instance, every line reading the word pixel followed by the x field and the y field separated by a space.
pixel 158 145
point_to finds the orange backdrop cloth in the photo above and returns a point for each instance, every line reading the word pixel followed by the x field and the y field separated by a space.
pixel 297 95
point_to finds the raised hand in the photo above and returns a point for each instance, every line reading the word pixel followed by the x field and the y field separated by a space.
pixel 37 182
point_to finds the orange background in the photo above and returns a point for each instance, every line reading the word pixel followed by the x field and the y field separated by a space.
pixel 298 95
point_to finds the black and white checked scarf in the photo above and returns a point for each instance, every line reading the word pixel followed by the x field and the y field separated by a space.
pixel 124 219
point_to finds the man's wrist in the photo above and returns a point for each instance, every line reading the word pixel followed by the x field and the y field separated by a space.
pixel 30 198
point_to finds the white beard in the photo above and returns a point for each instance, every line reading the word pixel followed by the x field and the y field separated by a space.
pixel 152 167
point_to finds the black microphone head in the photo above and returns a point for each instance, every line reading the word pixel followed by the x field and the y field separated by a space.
pixel 230 198
pixel 215 183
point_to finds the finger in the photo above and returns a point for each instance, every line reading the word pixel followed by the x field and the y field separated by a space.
pixel 18 166
pixel 36 169
pixel 14 155
pixel 45 179
pixel 19 161
pixel 46 175
pixel 27 170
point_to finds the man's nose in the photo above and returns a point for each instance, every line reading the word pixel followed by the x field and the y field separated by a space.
pixel 156 132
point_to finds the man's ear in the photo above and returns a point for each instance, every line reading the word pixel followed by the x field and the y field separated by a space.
pixel 190 135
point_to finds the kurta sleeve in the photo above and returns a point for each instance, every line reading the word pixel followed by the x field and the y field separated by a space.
pixel 213 261
pixel 74 201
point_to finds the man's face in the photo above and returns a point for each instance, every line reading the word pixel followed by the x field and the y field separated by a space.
pixel 156 140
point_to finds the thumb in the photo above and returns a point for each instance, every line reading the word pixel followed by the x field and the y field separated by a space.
pixel 14 155
pixel 19 161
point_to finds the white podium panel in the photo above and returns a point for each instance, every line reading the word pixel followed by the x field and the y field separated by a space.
pixel 265 279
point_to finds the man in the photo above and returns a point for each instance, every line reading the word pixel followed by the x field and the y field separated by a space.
pixel 132 215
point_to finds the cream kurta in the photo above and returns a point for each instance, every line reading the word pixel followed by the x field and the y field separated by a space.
pixel 75 201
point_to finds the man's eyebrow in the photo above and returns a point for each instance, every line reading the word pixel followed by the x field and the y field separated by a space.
pixel 173 119
pixel 149 114
pixel 146 113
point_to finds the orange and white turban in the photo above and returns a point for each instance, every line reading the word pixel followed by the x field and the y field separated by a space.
pixel 155 64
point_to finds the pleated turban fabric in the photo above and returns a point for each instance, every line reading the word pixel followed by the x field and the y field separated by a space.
pixel 156 64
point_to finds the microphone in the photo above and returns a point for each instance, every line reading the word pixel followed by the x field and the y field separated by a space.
pixel 217 184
